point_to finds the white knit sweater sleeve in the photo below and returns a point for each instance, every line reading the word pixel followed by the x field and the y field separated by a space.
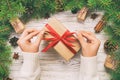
pixel 30 69
pixel 88 68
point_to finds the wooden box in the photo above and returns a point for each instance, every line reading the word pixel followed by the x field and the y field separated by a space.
pixel 110 62
pixel 82 14
pixel 17 25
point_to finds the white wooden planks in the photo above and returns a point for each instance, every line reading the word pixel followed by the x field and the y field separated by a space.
pixel 53 66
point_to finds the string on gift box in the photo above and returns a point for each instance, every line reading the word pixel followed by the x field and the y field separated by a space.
pixel 65 38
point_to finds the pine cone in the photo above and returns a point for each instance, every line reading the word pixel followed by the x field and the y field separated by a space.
pixel 110 46
pixel 7 78
pixel 94 15
pixel 13 41
pixel 47 15
pixel 60 5
pixel 74 10
pixel 16 56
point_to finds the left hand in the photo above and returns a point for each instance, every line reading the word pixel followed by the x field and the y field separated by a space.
pixel 25 40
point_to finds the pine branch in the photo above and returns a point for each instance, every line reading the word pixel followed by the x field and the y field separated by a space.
pixel 8 4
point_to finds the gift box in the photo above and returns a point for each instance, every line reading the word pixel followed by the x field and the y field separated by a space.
pixel 82 14
pixel 110 62
pixel 17 25
pixel 61 39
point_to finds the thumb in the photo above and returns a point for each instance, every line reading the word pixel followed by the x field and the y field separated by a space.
pixel 80 38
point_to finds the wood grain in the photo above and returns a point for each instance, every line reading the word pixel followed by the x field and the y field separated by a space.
pixel 53 66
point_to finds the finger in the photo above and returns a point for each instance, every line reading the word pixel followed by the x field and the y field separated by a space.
pixel 39 38
pixel 80 38
pixel 31 35
pixel 27 31
pixel 88 37
pixel 91 38
pixel 89 33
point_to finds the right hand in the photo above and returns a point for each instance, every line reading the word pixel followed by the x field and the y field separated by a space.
pixel 90 44
pixel 25 40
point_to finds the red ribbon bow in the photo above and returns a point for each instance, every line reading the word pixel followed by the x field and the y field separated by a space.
pixel 65 38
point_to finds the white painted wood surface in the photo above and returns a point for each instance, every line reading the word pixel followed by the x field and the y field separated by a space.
pixel 53 66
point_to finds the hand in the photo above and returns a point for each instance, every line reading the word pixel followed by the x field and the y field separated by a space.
pixel 25 40
pixel 90 44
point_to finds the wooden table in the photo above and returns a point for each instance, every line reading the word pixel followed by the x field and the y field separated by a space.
pixel 53 66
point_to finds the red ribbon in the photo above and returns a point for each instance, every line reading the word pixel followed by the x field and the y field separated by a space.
pixel 65 38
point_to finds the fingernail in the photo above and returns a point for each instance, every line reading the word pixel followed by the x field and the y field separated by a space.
pixel 42 31
pixel 77 32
